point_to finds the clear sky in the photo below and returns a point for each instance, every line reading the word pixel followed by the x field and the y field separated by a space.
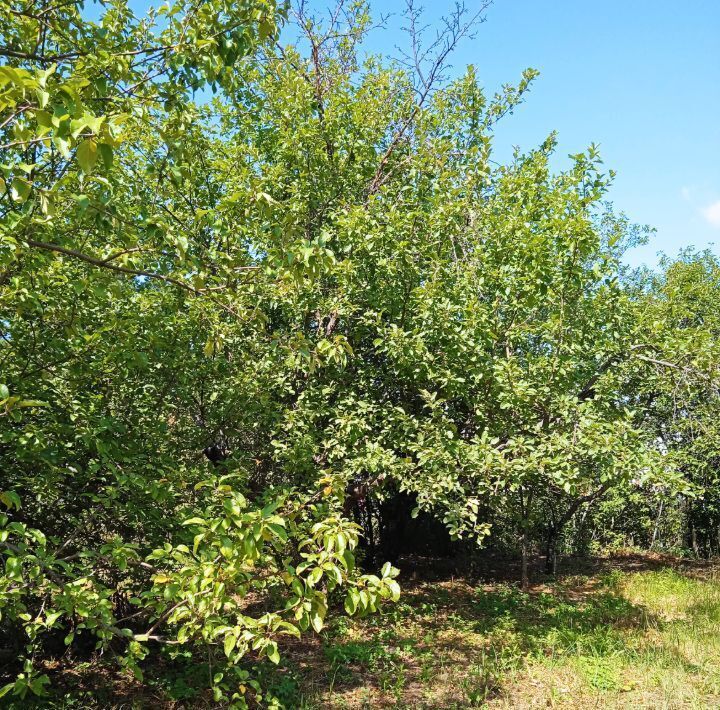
pixel 639 77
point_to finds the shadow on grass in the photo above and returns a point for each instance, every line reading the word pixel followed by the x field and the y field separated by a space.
pixel 458 642
pixel 490 630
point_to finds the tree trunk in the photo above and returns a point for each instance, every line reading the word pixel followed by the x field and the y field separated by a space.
pixel 581 532
pixel 524 577
pixel 551 552
pixel 525 508
pixel 657 525
pixel 558 525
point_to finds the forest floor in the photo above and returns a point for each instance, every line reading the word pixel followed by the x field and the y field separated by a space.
pixel 632 631
pixel 629 631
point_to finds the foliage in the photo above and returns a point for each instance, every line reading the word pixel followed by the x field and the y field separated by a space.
pixel 231 326
pixel 675 402
pixel 90 109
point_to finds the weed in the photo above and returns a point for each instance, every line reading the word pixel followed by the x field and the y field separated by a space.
pixel 599 672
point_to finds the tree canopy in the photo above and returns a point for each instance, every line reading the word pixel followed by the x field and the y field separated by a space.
pixel 248 287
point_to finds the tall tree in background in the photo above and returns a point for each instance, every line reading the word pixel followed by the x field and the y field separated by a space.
pixel 681 399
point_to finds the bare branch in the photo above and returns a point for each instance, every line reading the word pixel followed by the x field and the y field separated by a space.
pixel 429 65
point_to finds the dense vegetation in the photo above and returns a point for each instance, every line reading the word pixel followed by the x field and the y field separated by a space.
pixel 265 305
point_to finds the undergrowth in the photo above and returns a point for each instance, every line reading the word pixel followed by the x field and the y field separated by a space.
pixel 623 639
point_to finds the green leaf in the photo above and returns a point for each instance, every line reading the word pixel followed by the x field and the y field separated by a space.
pixel 106 153
pixel 278 531
pixel 394 588
pixel 31 403
pixel 87 153
pixel 229 645
pixel 10 499
pixel 351 601
pixel 38 684
pixel 20 189
pixel 314 576
pixel 13 567
pixel 194 521
pixel 63 145
pixel 272 652
pixel 316 621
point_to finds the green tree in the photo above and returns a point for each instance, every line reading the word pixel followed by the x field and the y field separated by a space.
pixel 681 398
pixel 225 322
pixel 116 277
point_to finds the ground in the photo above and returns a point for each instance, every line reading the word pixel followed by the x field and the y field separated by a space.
pixel 632 631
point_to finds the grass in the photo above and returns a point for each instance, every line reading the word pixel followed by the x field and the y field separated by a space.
pixel 624 638
pixel 634 632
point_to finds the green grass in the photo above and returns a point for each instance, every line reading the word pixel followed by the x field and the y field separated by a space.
pixel 647 639
pixel 634 636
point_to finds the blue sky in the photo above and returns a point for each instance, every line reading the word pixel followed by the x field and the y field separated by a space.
pixel 641 78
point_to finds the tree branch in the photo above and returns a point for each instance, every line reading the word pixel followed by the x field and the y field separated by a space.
pixel 107 264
